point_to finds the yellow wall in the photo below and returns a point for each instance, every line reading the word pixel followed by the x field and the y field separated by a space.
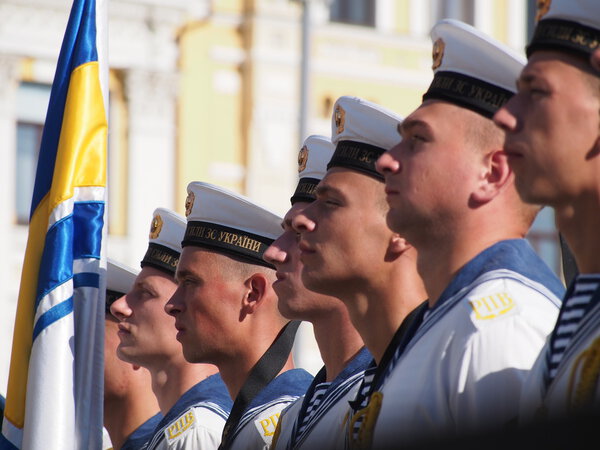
pixel 394 96
pixel 401 16
pixel 239 41
pixel 209 121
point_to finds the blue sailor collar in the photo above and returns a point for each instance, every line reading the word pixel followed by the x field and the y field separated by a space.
pixel 210 390
pixel 142 434
pixel 358 363
pixel 337 389
pixel 511 258
pixel 292 382
pixel 286 387
pixel 515 255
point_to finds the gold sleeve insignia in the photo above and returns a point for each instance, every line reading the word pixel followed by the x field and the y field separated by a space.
pixel 180 426
pixel 267 426
pixel 492 306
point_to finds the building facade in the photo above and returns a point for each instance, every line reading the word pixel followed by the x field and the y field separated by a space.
pixel 213 90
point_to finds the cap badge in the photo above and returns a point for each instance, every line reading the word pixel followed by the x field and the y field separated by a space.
pixel 542 8
pixel 340 117
pixel 156 226
pixel 437 53
pixel 302 158
pixel 189 203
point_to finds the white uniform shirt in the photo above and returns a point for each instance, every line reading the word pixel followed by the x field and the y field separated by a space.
pixel 464 368
pixel 326 426
pixel 257 425
pixel 196 421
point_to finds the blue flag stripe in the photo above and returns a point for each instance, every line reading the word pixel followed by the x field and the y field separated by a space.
pixel 88 220
pixel 86 279
pixel 79 47
pixel 5 444
pixel 76 236
pixel 52 315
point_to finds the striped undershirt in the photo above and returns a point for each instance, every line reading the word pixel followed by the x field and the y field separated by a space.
pixel 363 397
pixel 574 309
pixel 313 405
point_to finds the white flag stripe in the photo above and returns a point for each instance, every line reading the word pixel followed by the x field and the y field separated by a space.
pixel 85 265
pixel 81 194
pixel 51 357
pixel 53 298
pixel 12 433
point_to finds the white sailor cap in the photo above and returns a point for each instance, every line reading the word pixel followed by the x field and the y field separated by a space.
pixel 471 69
pixel 312 166
pixel 361 131
pixel 119 281
pixel 164 241
pixel 229 223
pixel 572 26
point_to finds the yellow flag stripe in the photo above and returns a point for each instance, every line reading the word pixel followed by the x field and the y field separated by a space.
pixel 80 162
pixel 81 156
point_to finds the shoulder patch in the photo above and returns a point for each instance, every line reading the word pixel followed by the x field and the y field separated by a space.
pixel 266 426
pixel 179 427
pixel 492 306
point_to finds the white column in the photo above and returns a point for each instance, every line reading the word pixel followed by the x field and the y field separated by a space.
pixel 517 24
pixel 384 15
pixel 419 21
pixel 151 105
pixel 484 12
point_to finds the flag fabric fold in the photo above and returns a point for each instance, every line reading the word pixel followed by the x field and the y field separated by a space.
pixel 55 387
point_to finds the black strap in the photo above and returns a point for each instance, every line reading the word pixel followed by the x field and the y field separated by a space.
pixel 263 372
pixel 569 265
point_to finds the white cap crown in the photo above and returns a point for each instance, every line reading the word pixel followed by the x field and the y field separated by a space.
pixel 164 241
pixel 229 223
pixel 572 26
pixel 119 280
pixel 362 131
pixel 471 69
pixel 313 158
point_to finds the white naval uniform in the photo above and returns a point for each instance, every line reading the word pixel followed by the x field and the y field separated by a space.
pixel 257 425
pixel 196 421
pixel 463 369
pixel 560 396
pixel 325 428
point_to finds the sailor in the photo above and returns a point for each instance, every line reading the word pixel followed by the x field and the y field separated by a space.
pixel 347 249
pixel 552 130
pixel 316 420
pixel 492 300
pixel 226 314
pixel 131 411
pixel 192 397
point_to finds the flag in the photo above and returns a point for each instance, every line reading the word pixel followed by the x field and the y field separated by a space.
pixel 55 387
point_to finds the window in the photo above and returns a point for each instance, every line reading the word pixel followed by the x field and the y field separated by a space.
pixel 32 103
pixel 356 12
pixel 29 136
